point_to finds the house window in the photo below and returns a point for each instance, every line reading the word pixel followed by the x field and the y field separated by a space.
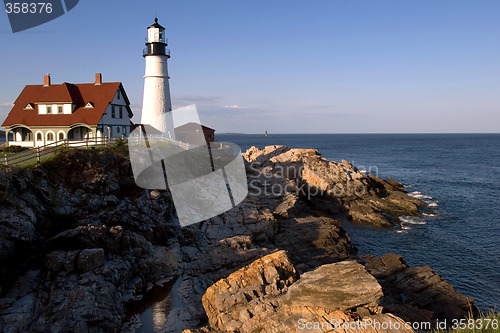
pixel 61 136
pixel 60 109
pixel 50 137
pixel 121 113
pixel 49 109
pixel 118 130
pixel 118 94
pixel 38 136
pixel 113 111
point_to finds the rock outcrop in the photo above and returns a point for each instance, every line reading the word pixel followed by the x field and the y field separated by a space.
pixel 417 293
pixel 78 241
pixel 269 296
pixel 80 244
pixel 329 186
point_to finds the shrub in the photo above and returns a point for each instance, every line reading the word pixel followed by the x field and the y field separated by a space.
pixel 119 145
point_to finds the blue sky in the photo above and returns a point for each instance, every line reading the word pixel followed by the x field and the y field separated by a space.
pixel 283 66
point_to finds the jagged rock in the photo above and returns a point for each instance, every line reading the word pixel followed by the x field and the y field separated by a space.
pixel 340 286
pixel 396 184
pixel 266 296
pixel 61 260
pixel 417 293
pixel 228 302
pixel 89 259
pixel 313 240
pixel 330 186
pixel 384 266
pixel 362 212
pixel 17 317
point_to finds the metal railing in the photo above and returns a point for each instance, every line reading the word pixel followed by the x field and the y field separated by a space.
pixel 40 151
pixel 160 137
pixel 157 40
pixel 145 52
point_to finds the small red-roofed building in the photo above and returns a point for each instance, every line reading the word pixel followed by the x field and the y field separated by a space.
pixel 44 114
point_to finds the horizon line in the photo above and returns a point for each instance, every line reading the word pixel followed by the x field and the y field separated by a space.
pixel 350 133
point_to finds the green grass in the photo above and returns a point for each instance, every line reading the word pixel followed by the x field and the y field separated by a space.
pixel 121 146
pixel 486 323
pixel 29 162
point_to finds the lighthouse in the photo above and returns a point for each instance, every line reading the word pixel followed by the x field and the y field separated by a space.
pixel 156 104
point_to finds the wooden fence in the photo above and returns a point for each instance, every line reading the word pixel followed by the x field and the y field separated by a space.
pixel 38 152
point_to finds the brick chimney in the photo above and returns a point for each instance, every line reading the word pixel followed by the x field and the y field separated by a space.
pixel 98 79
pixel 46 80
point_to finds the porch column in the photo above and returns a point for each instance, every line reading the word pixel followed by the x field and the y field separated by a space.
pixel 7 137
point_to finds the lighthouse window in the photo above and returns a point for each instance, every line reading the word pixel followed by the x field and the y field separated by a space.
pixel 113 114
pixel 121 113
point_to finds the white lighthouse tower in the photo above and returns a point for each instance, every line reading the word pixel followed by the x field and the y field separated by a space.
pixel 156 104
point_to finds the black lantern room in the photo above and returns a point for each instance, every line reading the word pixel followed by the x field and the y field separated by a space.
pixel 156 41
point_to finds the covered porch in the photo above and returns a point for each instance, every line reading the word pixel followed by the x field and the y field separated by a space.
pixel 21 136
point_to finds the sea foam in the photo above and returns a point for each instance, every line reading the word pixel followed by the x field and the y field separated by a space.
pixel 411 220
pixel 419 195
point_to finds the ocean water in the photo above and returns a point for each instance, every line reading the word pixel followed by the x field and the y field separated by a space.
pixel 457 175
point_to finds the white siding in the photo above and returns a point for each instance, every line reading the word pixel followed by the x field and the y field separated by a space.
pixel 116 124
pixel 68 108
pixel 42 109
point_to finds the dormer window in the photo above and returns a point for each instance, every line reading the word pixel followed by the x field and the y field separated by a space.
pixel 29 106
pixel 49 109
pixel 118 94
pixel 89 105
pixel 59 109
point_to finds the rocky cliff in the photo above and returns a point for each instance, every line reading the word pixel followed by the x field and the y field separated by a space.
pixel 80 244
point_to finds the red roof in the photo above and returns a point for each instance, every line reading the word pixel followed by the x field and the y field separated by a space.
pixel 78 94
pixel 193 126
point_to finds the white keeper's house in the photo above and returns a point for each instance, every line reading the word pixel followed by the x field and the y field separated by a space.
pixel 47 113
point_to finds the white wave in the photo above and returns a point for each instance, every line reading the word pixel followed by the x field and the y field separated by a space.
pixel 433 204
pixel 411 220
pixel 419 195
pixel 428 214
